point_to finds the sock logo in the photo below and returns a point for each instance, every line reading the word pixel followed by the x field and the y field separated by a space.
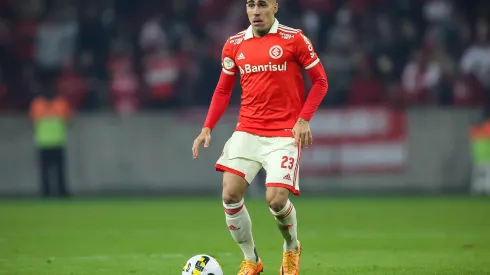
pixel 287 226
pixel 233 228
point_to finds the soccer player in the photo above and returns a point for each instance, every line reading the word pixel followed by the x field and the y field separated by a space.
pixel 272 128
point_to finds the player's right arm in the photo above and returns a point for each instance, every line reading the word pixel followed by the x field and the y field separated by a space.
pixel 221 97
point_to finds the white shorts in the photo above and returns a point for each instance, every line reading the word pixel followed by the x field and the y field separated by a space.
pixel 244 154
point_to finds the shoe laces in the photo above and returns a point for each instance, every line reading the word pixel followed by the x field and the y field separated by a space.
pixel 289 261
pixel 245 266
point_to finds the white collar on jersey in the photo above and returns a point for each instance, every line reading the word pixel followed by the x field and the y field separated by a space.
pixel 249 33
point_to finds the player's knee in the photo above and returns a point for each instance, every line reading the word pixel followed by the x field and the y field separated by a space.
pixel 277 198
pixel 230 198
pixel 233 188
pixel 276 205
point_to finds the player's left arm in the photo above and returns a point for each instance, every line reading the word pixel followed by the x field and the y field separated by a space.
pixel 307 57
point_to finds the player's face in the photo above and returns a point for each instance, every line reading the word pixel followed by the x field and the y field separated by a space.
pixel 261 15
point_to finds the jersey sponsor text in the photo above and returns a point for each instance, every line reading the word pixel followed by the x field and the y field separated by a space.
pixel 264 68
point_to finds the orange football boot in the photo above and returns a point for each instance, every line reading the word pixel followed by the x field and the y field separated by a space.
pixel 251 268
pixel 290 262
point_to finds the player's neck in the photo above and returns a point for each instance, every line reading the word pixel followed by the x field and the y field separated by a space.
pixel 261 33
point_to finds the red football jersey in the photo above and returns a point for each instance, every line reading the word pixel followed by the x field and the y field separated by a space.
pixel 271 77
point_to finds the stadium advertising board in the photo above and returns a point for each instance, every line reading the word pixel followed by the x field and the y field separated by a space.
pixel 354 141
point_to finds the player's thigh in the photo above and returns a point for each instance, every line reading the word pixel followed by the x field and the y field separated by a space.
pixel 234 187
pixel 239 156
pixel 237 175
pixel 282 167
pixel 239 165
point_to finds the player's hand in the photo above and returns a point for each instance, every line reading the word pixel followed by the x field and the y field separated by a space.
pixel 302 133
pixel 204 136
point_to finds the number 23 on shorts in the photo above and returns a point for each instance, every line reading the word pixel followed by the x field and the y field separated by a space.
pixel 287 162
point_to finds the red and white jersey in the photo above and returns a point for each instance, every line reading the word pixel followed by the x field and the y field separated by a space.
pixel 271 77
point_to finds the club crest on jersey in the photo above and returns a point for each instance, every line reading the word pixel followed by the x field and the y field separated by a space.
pixel 228 63
pixel 276 52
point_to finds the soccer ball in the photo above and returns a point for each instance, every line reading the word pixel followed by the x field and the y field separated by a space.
pixel 202 265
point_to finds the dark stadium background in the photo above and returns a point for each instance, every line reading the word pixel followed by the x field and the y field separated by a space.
pixel 395 183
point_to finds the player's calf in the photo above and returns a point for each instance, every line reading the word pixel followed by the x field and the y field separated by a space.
pixel 285 214
pixel 237 217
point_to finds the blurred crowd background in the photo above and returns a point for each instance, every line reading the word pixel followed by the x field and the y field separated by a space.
pixel 408 81
pixel 126 55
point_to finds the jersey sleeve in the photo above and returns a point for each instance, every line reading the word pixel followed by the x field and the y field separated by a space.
pixel 305 53
pixel 228 59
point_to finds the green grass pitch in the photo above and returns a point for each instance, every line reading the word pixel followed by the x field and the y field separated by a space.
pixel 351 236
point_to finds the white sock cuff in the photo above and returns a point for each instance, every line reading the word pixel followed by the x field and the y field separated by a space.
pixel 233 209
pixel 234 205
pixel 288 208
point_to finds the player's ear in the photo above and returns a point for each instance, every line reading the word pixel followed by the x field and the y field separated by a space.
pixel 275 5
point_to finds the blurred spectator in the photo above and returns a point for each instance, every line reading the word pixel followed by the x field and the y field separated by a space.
pixel 124 84
pixel 475 62
pixel 152 36
pixel 421 78
pixel 438 11
pixel 72 86
pixel 93 42
pixel 162 71
pixel 444 90
pixel 339 67
pixel 343 34
pixel 468 92
pixel 323 19
pixel 389 53
pixel 365 89
pixel 55 43
pixel 25 29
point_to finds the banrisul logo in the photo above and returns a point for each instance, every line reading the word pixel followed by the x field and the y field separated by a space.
pixel 247 68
